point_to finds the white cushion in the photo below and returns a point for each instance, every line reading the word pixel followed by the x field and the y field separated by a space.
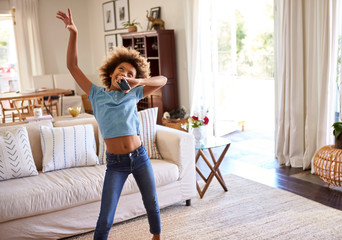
pixel 16 158
pixel 65 147
pixel 148 122
pixel 66 188
pixel 82 119
pixel 33 130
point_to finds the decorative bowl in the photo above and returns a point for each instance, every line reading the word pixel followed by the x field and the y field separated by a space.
pixel 74 111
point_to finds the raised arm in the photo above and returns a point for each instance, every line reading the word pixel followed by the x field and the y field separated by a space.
pixel 81 79
pixel 152 84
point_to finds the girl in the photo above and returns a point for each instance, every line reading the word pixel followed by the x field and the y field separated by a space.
pixel 116 114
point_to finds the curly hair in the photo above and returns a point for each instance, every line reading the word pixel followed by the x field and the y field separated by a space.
pixel 120 55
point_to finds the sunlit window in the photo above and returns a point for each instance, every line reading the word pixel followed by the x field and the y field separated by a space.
pixel 8 56
pixel 245 50
pixel 245 39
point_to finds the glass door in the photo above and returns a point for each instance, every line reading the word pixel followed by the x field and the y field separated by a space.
pixel 244 86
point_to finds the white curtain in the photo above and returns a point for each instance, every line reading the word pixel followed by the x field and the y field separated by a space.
pixel 201 50
pixel 30 59
pixel 191 33
pixel 306 61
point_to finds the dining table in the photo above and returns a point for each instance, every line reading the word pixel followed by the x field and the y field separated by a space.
pixel 34 93
pixel 39 93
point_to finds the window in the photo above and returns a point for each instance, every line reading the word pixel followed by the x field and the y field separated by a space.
pixel 8 56
pixel 245 52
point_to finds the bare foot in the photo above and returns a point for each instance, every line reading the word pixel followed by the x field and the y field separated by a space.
pixel 156 237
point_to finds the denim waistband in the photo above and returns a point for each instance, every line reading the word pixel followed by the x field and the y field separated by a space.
pixel 139 151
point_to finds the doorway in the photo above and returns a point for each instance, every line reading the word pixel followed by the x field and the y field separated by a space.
pixel 244 88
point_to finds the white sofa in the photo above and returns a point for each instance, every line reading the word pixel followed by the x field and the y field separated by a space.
pixel 66 202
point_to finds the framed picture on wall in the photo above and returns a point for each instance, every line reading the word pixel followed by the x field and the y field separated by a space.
pixel 121 13
pixel 108 16
pixel 110 43
pixel 119 40
pixel 154 13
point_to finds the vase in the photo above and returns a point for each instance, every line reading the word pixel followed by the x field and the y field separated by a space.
pixel 199 134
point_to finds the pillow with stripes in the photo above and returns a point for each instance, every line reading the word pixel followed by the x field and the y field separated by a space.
pixel 66 147
pixel 16 158
pixel 148 130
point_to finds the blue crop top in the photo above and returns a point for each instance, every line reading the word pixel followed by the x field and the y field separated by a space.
pixel 116 112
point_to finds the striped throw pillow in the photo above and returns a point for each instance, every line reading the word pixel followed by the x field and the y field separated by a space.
pixel 16 158
pixel 102 149
pixel 66 147
pixel 148 136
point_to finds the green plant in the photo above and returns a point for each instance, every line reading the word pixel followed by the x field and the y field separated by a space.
pixel 131 23
pixel 337 129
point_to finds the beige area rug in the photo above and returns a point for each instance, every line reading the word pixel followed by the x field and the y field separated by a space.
pixel 249 210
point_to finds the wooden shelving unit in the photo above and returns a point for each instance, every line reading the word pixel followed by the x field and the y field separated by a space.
pixel 159 49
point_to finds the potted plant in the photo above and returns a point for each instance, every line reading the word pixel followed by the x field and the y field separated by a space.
pixel 337 133
pixel 132 25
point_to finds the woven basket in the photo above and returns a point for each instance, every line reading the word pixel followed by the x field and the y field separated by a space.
pixel 328 165
pixel 174 123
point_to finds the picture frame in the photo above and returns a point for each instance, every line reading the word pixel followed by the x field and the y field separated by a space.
pixel 121 13
pixel 119 40
pixel 108 16
pixel 155 13
pixel 110 43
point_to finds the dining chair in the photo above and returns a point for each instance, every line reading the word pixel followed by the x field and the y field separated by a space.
pixel 66 81
pixel 6 110
pixel 18 109
pixel 24 107
pixel 46 81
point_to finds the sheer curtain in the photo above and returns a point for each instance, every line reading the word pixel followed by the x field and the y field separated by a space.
pixel 30 59
pixel 201 50
pixel 306 61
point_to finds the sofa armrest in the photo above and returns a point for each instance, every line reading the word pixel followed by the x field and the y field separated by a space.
pixel 177 147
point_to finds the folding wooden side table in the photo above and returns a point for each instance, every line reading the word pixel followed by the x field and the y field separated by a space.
pixel 208 144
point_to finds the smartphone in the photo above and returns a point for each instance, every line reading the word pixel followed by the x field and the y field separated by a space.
pixel 124 86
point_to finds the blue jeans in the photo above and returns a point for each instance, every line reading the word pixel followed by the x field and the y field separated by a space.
pixel 118 169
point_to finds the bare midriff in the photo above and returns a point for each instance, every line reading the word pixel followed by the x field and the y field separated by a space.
pixel 122 145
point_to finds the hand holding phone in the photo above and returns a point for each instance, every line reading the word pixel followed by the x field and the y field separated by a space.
pixel 124 86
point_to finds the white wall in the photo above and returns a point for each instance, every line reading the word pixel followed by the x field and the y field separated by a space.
pixel 54 36
pixel 87 15
pixel 5 7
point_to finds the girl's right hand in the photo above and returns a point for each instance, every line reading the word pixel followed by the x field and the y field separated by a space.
pixel 69 24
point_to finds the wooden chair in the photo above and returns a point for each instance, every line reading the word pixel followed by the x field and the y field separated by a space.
pixel 50 105
pixel 6 110
pixel 51 102
pixel 18 109
pixel 24 109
